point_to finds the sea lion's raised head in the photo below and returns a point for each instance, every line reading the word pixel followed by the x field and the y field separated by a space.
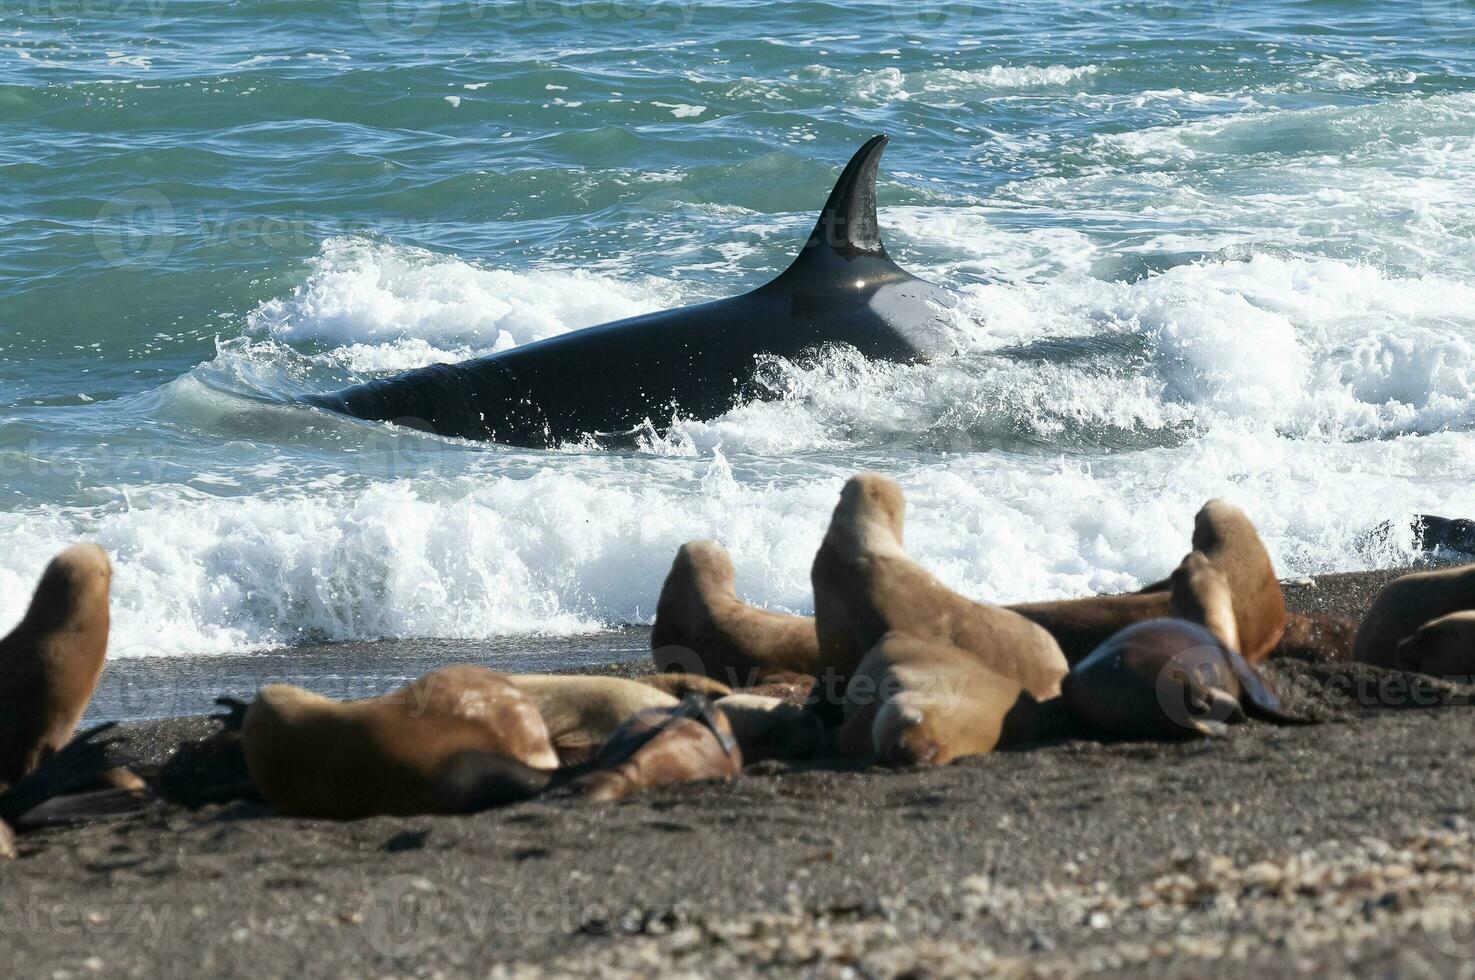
pixel 73 592
pixel 870 505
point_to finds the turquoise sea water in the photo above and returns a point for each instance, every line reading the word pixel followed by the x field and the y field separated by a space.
pixel 1204 248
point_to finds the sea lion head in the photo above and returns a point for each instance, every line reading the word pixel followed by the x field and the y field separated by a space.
pixel 1200 594
pixel 73 592
pixel 707 568
pixel 1443 647
pixel 1216 522
pixel 902 735
pixel 871 505
pixel 1228 538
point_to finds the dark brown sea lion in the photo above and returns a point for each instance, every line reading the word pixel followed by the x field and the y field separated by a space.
pixel 1167 678
pixel 866 586
pixel 51 662
pixel 772 728
pixel 1443 647
pixel 1406 604
pixel 660 747
pixel 582 712
pixel 441 744
pixel 703 627
pixel 917 702
pixel 1316 638
pixel 1229 541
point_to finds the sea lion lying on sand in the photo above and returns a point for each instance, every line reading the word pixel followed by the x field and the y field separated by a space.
pixel 1443 647
pixel 659 747
pixel 582 712
pixel 772 728
pixel 1172 678
pixel 1316 638
pixel 919 702
pixel 50 663
pixel 1405 604
pixel 702 627
pixel 866 586
pixel 1228 540
pixel 444 743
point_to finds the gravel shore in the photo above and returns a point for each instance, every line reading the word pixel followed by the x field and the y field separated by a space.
pixel 1347 846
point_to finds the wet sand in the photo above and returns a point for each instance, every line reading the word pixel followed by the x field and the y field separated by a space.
pixel 1346 846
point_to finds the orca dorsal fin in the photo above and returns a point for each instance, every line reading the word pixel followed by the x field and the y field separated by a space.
pixel 847 225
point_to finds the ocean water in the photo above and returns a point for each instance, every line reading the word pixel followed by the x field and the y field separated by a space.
pixel 1204 249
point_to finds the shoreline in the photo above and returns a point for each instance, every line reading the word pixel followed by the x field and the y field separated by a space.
pixel 1345 846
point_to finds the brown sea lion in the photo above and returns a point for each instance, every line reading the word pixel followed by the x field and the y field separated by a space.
pixel 51 662
pixel 1199 592
pixel 703 627
pixel 1406 604
pixel 1316 638
pixel 441 744
pixel 1443 647
pixel 772 728
pixel 660 747
pixel 1228 540
pixel 865 586
pixel 1167 678
pixel 917 702
pixel 582 712
pixel 7 842
pixel 678 684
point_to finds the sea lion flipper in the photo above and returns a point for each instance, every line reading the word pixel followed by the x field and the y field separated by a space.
pixel 1258 697
pixel 79 762
pixel 1211 727
pixel 234 715
pixel 82 807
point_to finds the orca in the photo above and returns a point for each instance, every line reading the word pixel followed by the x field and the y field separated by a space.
pixel 695 361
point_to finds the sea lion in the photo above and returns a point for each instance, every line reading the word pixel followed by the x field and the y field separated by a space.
pixel 702 627
pixel 1407 603
pixel 660 747
pixel 772 728
pixel 51 662
pixel 1443 647
pixel 582 712
pixel 444 743
pixel 1167 678
pixel 1199 592
pixel 7 842
pixel 918 702
pixel 865 586
pixel 1316 638
pixel 678 684
pixel 1227 539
